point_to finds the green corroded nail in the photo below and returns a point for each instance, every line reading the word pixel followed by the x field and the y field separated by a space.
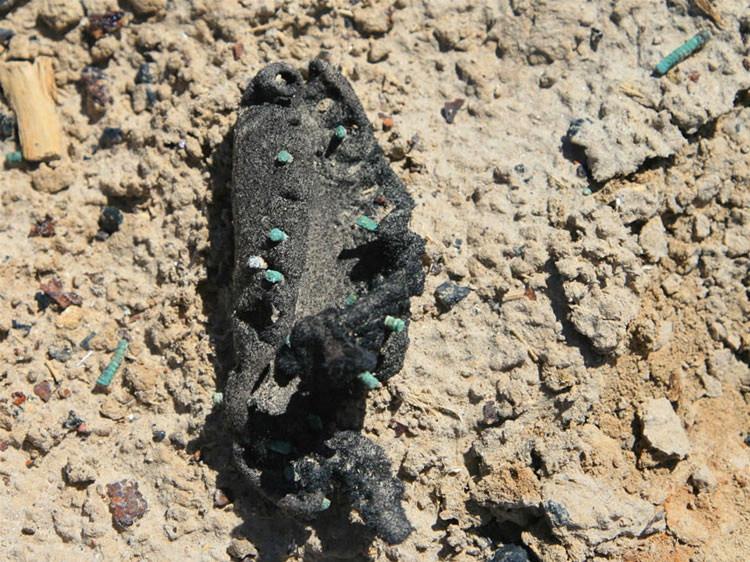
pixel 314 421
pixel 281 447
pixel 351 298
pixel 325 504
pixel 368 379
pixel 106 377
pixel 14 157
pixel 395 324
pixel 340 132
pixel 284 157
pixel 367 223
pixel 277 235
pixel 273 276
pixel 682 52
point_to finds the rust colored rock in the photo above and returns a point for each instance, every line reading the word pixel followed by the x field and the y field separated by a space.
pixel 54 290
pixel 43 390
pixel 126 503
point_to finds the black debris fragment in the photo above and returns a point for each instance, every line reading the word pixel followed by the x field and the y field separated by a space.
pixel 110 136
pixel 291 443
pixel 510 553
pixel 72 422
pixel 594 37
pixel 144 75
pixel 85 341
pixel 61 354
pixel 7 126
pixel 43 300
pixel 18 326
pixel 110 219
pixel 448 294
pixel 450 109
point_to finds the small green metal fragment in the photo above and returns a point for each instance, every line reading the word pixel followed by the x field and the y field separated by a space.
pixel 314 421
pixel 273 276
pixel 281 447
pixel 586 191
pixel 351 298
pixel 106 377
pixel 288 341
pixel 14 157
pixel 325 504
pixel 284 157
pixel 340 132
pixel 367 223
pixel 218 398
pixel 368 379
pixel 395 324
pixel 277 235
pixel 682 52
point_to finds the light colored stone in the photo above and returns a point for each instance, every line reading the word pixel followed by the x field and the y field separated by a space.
pixel 147 7
pixel 61 15
pixel 703 479
pixel 663 430
pixel 653 240
pixel 69 318
pixel 581 508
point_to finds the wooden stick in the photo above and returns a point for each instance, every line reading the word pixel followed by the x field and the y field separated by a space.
pixel 30 89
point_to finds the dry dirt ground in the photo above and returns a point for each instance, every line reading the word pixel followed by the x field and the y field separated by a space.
pixel 588 400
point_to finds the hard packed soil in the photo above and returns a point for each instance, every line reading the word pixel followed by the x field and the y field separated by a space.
pixel 588 400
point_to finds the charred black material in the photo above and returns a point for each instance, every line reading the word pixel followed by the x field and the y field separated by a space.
pixel 294 401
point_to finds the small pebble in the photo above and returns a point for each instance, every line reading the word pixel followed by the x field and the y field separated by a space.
pixel 43 390
pixel 449 294
pixel 158 435
pixel 340 132
pixel 273 276
pixel 284 157
pixel 144 75
pixel 256 262
pixel 110 219
pixel 126 503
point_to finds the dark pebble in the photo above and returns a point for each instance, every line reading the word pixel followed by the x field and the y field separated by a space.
pixel 110 219
pixel 144 75
pixel 43 390
pixel 510 553
pixel 126 503
pixel 448 294
pixel 7 126
pixel 158 435
pixel 450 109
pixel 6 35
pixel 747 440
pixel 150 97
pixel 110 136
pixel 61 354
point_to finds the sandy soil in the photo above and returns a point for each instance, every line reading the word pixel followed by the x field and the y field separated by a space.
pixel 587 400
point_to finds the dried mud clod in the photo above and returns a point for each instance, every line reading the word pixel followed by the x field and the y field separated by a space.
pixel 310 307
